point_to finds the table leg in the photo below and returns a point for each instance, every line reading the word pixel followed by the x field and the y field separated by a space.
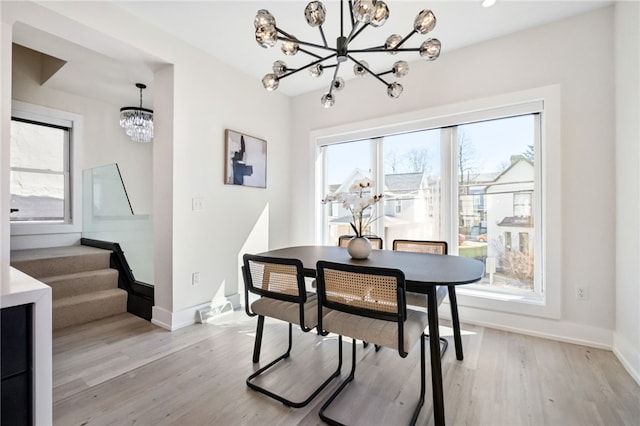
pixel 436 365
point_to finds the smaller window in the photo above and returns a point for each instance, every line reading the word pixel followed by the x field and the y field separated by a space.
pixel 39 180
pixel 523 242
pixel 522 204
pixel 507 241
pixel 398 206
pixel 335 208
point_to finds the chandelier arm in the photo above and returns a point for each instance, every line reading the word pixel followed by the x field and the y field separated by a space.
pixel 368 70
pixel 352 36
pixel 407 37
pixel 379 49
pixel 370 49
pixel 353 20
pixel 333 80
pixel 306 43
pixel 310 64
pixel 286 34
pixel 324 39
pixel 353 31
pixel 309 53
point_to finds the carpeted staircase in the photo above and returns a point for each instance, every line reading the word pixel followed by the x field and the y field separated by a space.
pixel 83 286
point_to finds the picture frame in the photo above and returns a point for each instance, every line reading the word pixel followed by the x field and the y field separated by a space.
pixel 245 160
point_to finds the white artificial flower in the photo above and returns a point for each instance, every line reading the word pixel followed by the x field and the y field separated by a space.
pixel 356 201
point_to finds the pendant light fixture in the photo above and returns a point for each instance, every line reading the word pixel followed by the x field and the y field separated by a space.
pixel 137 121
pixel 361 14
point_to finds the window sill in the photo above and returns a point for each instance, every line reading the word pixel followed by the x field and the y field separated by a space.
pixel 44 228
pixel 516 302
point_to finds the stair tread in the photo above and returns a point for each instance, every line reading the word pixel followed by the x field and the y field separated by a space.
pixel 54 278
pixel 53 252
pixel 73 310
pixel 88 297
pixel 60 260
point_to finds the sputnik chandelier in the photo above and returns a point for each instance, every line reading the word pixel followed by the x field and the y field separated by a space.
pixel 363 13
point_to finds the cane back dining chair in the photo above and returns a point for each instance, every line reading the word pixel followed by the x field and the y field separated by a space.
pixel 376 242
pixel 362 302
pixel 343 241
pixel 441 248
pixel 281 287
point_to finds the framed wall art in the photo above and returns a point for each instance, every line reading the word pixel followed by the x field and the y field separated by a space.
pixel 245 160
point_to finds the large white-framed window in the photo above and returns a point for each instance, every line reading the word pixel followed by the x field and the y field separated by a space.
pixel 45 184
pixel 426 161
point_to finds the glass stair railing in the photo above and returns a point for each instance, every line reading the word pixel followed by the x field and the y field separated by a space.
pixel 108 216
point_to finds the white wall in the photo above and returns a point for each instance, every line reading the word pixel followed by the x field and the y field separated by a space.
pixel 566 53
pixel 627 55
pixel 103 140
pixel 205 97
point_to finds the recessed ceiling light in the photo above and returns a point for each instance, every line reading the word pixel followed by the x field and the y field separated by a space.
pixel 488 3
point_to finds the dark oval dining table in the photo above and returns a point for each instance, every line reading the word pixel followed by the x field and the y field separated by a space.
pixel 423 272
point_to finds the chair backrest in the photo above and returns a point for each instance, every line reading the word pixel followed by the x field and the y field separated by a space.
pixel 366 291
pixel 278 278
pixel 376 242
pixel 421 246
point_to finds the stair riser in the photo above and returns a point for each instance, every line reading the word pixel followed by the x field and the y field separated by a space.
pixel 82 283
pixel 49 267
pixel 70 314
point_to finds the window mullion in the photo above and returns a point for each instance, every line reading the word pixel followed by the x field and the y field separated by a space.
pixel 449 187
pixel 377 161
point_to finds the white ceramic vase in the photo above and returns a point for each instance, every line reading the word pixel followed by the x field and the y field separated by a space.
pixel 359 247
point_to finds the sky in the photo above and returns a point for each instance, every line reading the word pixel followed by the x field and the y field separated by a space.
pixel 492 143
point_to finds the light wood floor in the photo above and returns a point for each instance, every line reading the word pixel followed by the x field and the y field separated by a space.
pixel 125 371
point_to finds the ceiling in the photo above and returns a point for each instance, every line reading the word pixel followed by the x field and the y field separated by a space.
pixel 225 30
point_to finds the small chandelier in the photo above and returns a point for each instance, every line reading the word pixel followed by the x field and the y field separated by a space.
pixel 363 13
pixel 137 121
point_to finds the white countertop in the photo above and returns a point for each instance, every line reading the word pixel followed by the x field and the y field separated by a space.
pixel 22 289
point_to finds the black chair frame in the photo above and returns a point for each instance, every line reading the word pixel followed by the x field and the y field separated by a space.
pixel 398 318
pixel 300 299
pixel 453 302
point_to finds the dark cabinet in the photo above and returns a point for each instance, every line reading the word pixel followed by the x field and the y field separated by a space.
pixel 16 365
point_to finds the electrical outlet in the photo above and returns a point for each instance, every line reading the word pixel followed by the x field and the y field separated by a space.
pixel 197 204
pixel 582 293
pixel 195 278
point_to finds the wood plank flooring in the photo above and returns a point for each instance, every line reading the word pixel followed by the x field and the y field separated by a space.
pixel 125 371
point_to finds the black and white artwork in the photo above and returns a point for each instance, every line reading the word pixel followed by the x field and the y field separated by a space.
pixel 245 160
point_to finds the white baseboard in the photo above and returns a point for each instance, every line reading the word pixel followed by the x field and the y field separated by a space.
pixel 24 242
pixel 234 299
pixel 174 320
pixel 628 355
pixel 563 331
